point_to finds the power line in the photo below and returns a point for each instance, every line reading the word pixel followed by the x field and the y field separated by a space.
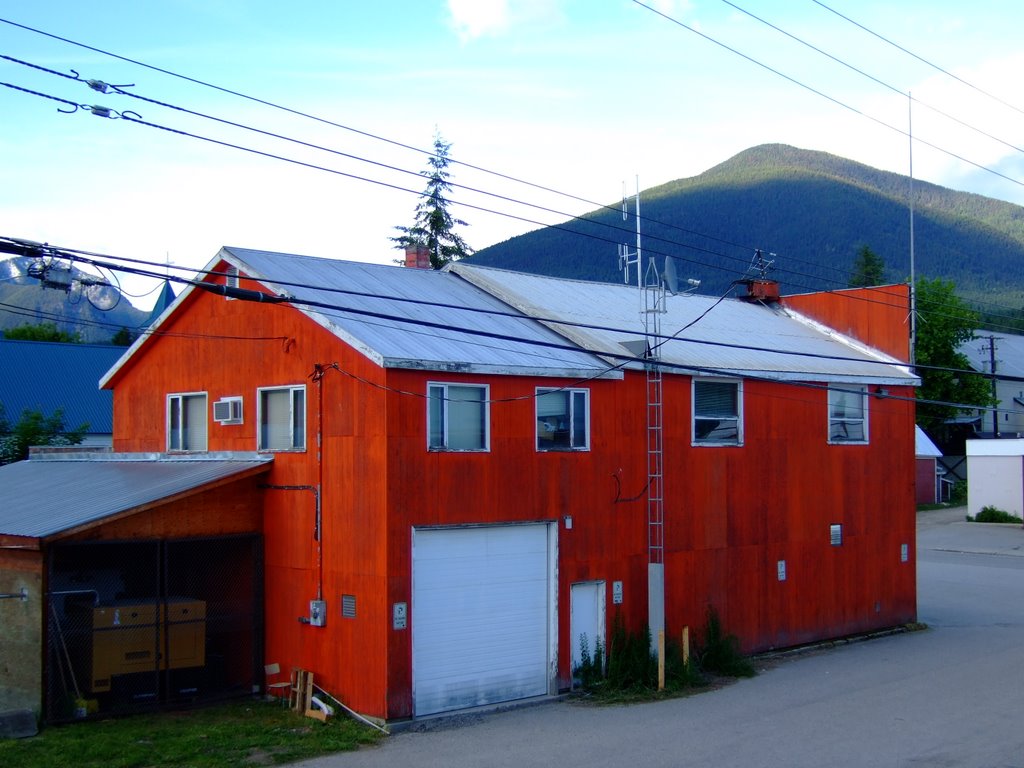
pixel 880 82
pixel 98 85
pixel 134 118
pixel 919 58
pixel 99 261
pixel 625 359
pixel 824 95
pixel 600 206
pixel 473 310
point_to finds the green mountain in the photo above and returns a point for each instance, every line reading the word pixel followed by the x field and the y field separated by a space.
pixel 809 212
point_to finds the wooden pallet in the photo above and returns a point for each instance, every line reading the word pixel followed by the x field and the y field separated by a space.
pixel 300 696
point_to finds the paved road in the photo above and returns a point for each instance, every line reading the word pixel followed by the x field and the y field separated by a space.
pixel 952 695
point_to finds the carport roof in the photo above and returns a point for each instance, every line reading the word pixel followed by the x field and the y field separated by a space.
pixel 54 493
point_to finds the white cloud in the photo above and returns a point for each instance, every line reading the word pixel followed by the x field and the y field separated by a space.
pixel 476 18
pixel 472 19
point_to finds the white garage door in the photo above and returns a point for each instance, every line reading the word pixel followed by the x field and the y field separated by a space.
pixel 480 615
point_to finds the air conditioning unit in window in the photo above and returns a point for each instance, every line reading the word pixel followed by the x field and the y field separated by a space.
pixel 228 410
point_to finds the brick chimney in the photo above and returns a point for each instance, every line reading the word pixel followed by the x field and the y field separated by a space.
pixel 766 291
pixel 417 256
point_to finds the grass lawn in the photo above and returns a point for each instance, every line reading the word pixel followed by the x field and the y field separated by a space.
pixel 248 733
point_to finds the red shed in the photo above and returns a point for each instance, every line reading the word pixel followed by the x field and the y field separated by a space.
pixel 462 482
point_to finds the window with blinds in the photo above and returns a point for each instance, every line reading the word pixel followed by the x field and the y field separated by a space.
pixel 563 420
pixel 457 417
pixel 717 414
pixel 282 419
pixel 186 422
pixel 847 414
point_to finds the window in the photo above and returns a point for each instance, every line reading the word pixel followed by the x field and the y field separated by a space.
pixel 562 420
pixel 457 417
pixel 282 419
pixel 847 415
pixel 716 412
pixel 186 422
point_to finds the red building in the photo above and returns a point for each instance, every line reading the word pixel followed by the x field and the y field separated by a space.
pixel 462 477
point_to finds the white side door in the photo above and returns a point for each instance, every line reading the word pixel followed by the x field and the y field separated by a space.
pixel 587 620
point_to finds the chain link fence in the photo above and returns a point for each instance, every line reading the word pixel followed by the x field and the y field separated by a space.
pixel 141 624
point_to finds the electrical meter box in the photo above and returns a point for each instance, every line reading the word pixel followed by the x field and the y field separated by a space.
pixel 317 613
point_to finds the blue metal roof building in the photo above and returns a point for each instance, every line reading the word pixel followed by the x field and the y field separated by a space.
pixel 44 376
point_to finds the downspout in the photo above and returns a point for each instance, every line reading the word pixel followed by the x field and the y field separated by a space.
pixel 318 377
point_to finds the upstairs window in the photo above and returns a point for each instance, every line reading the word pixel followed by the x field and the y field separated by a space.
pixel 563 420
pixel 717 412
pixel 186 422
pixel 282 419
pixel 847 414
pixel 457 417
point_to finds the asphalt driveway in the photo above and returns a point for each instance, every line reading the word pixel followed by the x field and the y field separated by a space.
pixel 952 695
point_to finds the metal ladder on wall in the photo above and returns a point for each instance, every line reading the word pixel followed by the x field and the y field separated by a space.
pixel 654 298
pixel 655 466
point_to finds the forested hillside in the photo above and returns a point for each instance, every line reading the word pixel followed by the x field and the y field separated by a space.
pixel 812 210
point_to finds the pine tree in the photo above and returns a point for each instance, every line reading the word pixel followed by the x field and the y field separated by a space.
pixel 868 269
pixel 434 225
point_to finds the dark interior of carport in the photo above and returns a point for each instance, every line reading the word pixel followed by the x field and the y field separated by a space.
pixel 133 625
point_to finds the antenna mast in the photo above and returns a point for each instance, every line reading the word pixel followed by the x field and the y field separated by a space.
pixel 628 258
pixel 652 290
pixel 913 277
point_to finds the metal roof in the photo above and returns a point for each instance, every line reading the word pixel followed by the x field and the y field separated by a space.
pixel 52 493
pixel 537 325
pixel 412 318
pixel 1009 354
pixel 44 376
pixel 701 334
pixel 923 445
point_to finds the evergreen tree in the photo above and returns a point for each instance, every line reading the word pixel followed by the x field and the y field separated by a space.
pixel 944 323
pixel 123 338
pixel 42 332
pixel 434 225
pixel 868 269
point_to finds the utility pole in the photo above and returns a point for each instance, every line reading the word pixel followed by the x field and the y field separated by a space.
pixel 992 374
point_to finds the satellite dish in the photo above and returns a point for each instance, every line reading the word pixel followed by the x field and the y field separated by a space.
pixel 669 276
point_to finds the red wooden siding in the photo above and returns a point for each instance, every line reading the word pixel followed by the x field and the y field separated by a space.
pixel 731 512
pixel 877 316
pixel 231 508
pixel 925 480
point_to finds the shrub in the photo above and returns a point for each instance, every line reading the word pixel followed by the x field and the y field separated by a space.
pixel 994 515
pixel 958 493
pixel 631 665
pixel 720 653
pixel 589 673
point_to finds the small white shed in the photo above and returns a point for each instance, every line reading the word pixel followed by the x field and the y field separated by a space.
pixel 995 471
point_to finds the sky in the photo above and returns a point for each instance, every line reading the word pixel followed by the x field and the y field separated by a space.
pixel 551 107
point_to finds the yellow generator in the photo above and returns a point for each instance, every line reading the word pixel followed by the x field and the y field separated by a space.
pixel 128 637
